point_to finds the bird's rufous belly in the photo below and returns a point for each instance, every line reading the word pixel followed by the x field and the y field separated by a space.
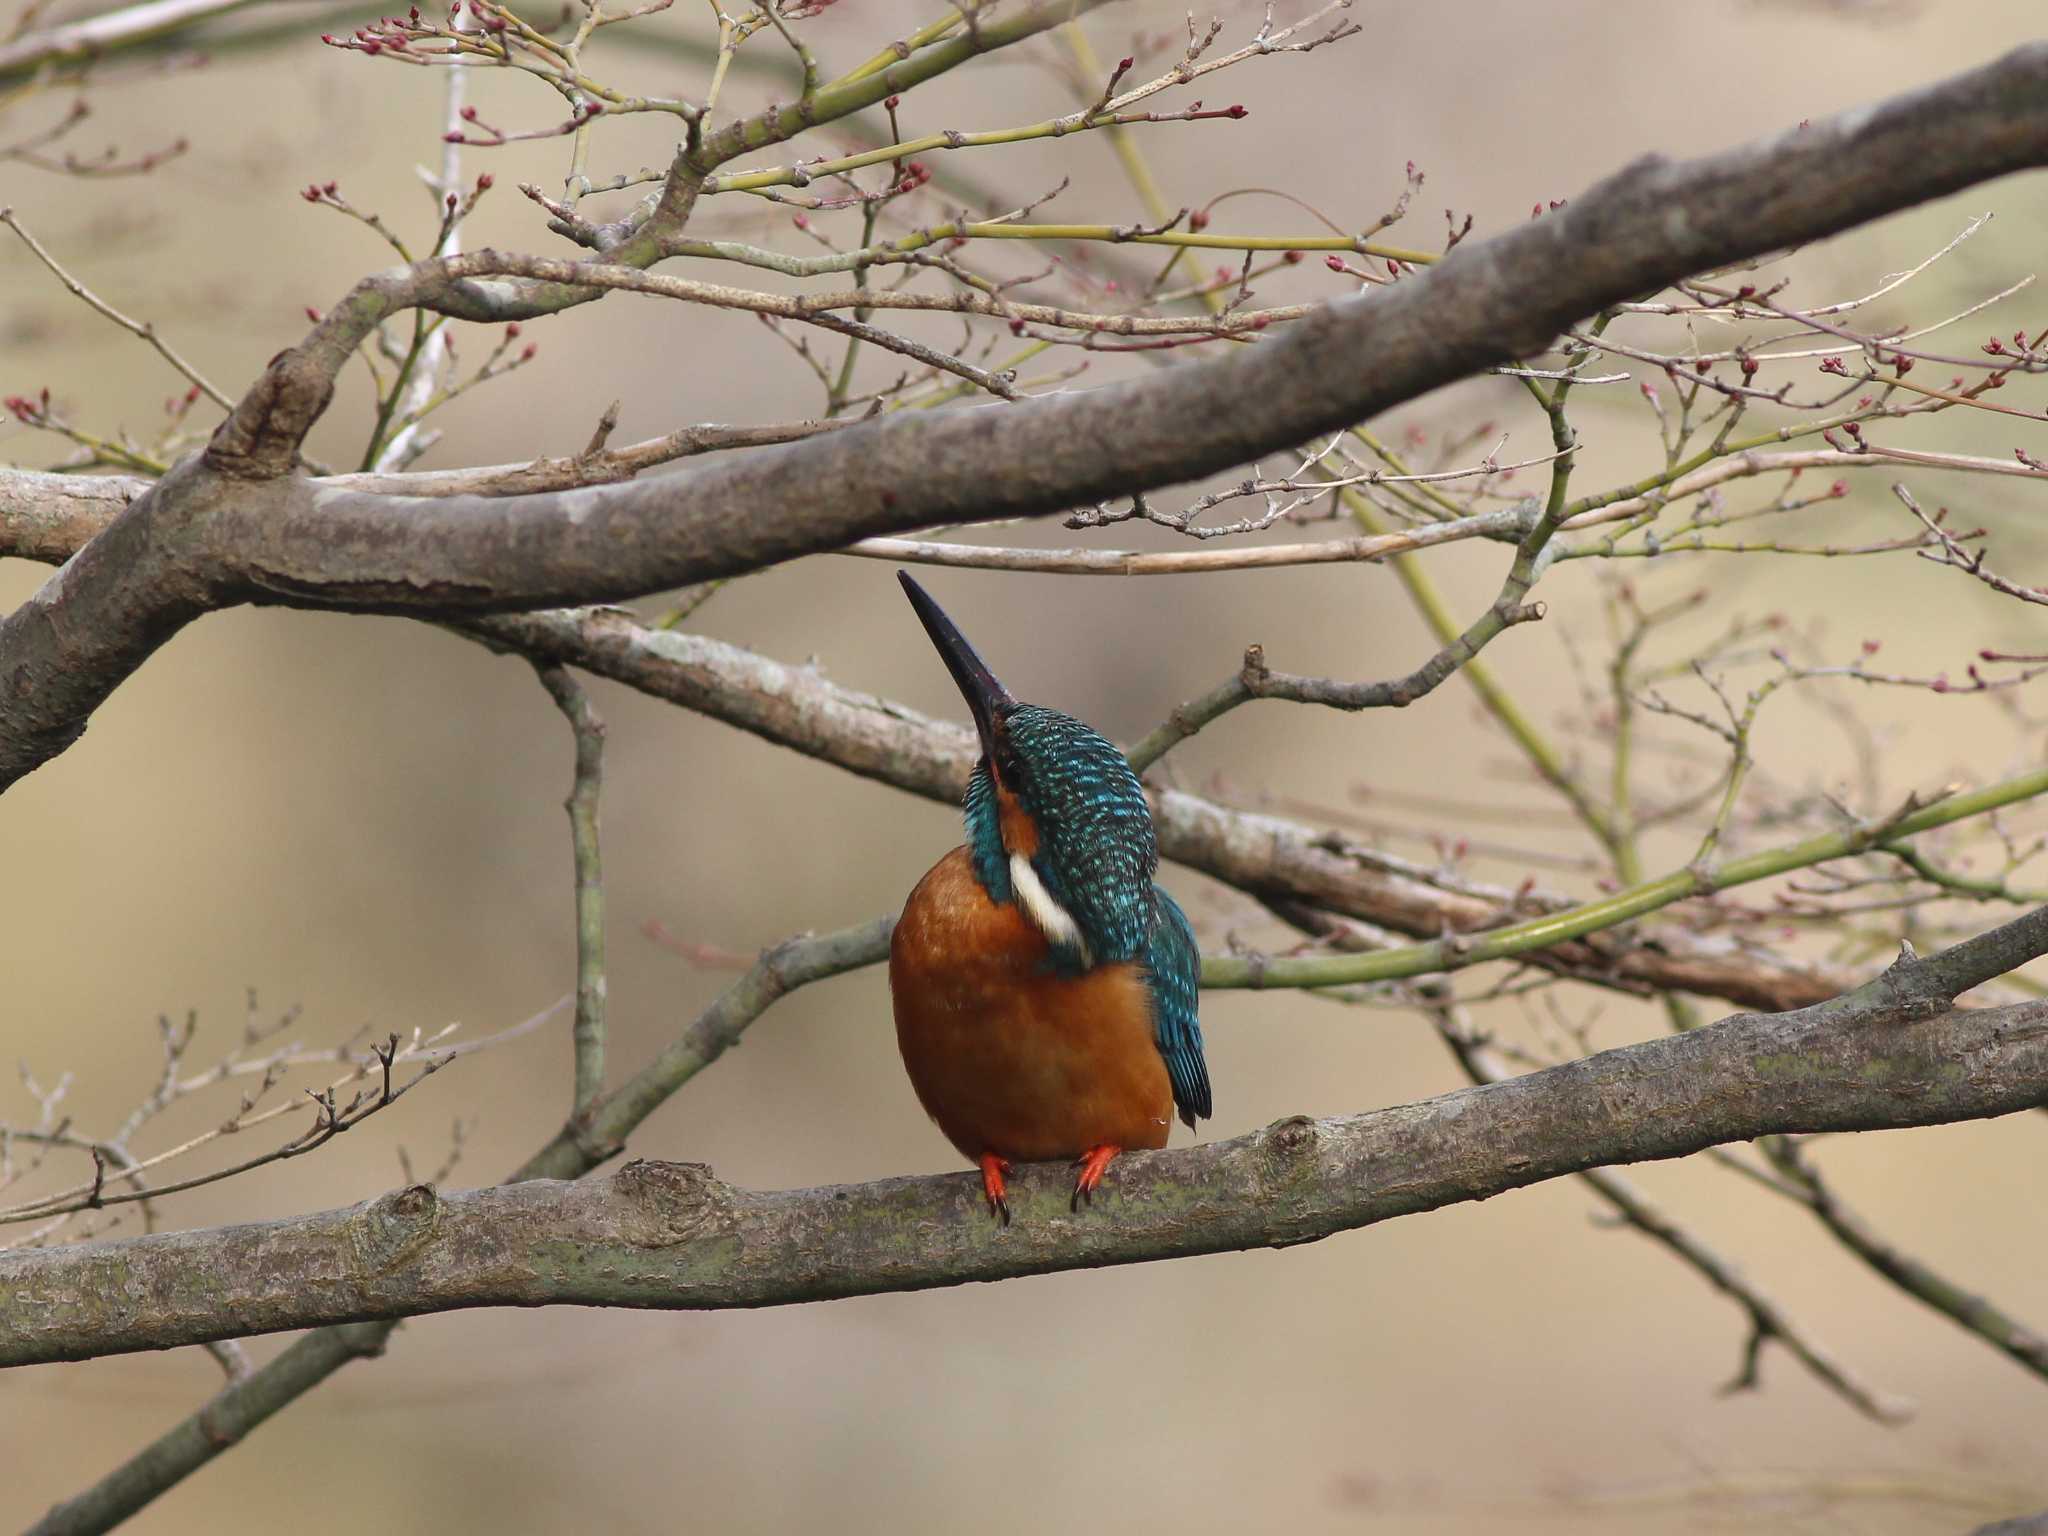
pixel 1007 1056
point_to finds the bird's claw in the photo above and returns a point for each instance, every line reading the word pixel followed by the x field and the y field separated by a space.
pixel 994 1189
pixel 1092 1164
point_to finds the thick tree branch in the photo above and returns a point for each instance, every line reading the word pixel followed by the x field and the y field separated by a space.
pixel 224 530
pixel 1891 1054
pixel 50 517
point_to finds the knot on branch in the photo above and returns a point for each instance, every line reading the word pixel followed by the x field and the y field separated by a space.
pixel 1914 988
pixel 394 1227
pixel 1255 671
pixel 260 438
pixel 1292 1142
pixel 667 1203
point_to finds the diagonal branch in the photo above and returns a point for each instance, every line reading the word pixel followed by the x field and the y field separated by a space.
pixel 1915 1277
pixel 1255 851
pixel 96 36
pixel 227 529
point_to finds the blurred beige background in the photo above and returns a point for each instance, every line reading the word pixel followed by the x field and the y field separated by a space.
pixel 363 816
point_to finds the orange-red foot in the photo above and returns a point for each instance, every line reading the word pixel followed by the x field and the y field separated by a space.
pixel 1091 1163
pixel 992 1170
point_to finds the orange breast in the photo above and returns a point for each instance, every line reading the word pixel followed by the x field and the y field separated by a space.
pixel 1006 1056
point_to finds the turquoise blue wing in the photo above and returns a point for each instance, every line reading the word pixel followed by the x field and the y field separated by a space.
pixel 1174 966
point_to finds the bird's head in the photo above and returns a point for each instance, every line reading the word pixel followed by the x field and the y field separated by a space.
pixel 1056 821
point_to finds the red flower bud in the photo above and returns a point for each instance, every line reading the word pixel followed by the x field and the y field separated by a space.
pixel 483 182
pixel 1237 109
pixel 526 356
pixel 1293 258
pixel 1334 263
pixel 512 331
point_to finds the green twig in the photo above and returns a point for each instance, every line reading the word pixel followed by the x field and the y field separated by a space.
pixel 1454 950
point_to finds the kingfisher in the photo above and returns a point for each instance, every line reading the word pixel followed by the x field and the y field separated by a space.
pixel 1045 989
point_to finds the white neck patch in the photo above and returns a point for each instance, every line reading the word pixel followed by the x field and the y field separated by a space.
pixel 1053 920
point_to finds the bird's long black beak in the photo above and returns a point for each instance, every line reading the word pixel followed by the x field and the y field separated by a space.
pixel 989 700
